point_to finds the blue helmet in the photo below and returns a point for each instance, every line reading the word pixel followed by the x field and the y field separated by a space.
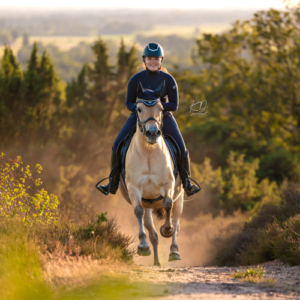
pixel 153 49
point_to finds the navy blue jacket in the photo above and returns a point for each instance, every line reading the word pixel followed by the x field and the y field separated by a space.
pixel 151 80
pixel 169 99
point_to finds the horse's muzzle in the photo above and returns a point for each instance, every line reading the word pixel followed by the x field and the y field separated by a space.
pixel 152 135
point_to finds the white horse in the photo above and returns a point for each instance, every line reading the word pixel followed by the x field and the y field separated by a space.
pixel 149 175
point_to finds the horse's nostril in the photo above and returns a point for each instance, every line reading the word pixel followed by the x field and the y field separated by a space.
pixel 158 133
pixel 148 133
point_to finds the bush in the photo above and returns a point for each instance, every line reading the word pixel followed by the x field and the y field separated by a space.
pixel 77 234
pixel 273 234
pixel 235 186
pixel 17 200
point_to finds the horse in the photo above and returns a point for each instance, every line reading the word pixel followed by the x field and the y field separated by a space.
pixel 149 175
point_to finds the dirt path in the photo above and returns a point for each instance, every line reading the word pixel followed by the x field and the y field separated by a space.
pixel 218 283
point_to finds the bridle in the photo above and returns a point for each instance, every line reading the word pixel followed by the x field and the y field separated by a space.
pixel 142 124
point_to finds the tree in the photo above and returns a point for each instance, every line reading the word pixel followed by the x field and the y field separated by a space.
pixel 11 77
pixel 250 78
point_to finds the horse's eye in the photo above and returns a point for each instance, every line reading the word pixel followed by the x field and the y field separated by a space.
pixel 139 110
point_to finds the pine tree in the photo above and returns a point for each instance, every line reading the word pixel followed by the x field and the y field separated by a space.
pixel 10 106
pixel 100 74
pixel 127 64
pixel 32 85
pixel 40 95
pixel 77 95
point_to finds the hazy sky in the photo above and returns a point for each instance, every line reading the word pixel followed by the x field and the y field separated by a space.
pixel 211 4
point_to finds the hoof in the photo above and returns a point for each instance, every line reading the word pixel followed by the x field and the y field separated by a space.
pixel 157 264
pixel 174 256
pixel 144 251
pixel 166 233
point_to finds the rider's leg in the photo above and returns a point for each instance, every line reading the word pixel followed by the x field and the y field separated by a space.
pixel 115 167
pixel 131 121
pixel 170 127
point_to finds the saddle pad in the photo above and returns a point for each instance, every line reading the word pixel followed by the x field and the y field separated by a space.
pixel 169 140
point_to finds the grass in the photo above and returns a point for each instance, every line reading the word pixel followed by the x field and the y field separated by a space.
pixel 72 259
pixel 25 275
pixel 73 235
pixel 254 275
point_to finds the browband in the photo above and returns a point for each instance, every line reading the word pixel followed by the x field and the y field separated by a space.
pixel 147 102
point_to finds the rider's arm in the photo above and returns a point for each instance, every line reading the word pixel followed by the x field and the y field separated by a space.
pixel 131 94
pixel 172 92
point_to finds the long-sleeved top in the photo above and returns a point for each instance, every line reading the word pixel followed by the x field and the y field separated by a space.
pixel 151 80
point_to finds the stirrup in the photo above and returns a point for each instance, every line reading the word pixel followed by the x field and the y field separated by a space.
pixel 194 192
pixel 99 188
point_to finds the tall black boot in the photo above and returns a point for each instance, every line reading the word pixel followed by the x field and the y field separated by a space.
pixel 185 173
pixel 114 177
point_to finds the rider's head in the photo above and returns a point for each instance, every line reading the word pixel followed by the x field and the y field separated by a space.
pixel 153 55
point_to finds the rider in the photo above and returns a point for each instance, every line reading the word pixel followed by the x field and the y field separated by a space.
pixel 151 78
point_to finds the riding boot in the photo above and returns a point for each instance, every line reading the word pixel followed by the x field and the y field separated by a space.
pixel 114 177
pixel 185 173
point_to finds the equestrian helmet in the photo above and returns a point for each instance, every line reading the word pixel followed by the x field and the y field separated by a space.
pixel 154 50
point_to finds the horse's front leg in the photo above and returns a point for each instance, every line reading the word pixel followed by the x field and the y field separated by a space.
pixel 167 230
pixel 177 210
pixel 136 200
pixel 152 234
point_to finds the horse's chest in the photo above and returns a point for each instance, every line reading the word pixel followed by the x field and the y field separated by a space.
pixel 148 173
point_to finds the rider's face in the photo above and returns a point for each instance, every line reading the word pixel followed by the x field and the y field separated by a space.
pixel 152 63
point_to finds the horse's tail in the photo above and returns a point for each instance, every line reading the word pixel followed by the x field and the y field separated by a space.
pixel 159 212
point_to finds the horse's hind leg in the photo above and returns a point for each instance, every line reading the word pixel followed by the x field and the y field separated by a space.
pixel 167 230
pixel 148 220
pixel 135 198
pixel 177 210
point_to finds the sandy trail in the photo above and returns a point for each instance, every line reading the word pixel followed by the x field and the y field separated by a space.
pixel 217 282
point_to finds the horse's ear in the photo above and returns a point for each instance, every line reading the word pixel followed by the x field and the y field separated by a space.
pixel 140 89
pixel 160 89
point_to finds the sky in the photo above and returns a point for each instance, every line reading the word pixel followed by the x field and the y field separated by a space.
pixel 172 4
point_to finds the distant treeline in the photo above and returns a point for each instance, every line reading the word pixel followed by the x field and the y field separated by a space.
pixel 69 63
pixel 72 23
pixel 245 148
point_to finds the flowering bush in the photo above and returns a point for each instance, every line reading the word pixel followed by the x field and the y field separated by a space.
pixel 19 200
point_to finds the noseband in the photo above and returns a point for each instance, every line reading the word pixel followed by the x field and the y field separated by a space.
pixel 142 124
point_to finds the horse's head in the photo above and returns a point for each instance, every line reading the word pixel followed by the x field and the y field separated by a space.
pixel 149 112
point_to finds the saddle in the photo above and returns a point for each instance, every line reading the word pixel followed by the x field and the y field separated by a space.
pixel 171 144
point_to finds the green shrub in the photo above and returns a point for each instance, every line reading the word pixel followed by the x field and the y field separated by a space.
pixel 274 233
pixel 236 186
pixel 24 202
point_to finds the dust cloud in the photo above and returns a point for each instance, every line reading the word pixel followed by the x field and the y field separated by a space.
pixel 195 240
pixel 199 227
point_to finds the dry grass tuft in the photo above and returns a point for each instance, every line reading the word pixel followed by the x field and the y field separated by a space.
pixel 253 275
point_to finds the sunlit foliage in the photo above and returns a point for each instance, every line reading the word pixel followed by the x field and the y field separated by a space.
pixel 19 196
